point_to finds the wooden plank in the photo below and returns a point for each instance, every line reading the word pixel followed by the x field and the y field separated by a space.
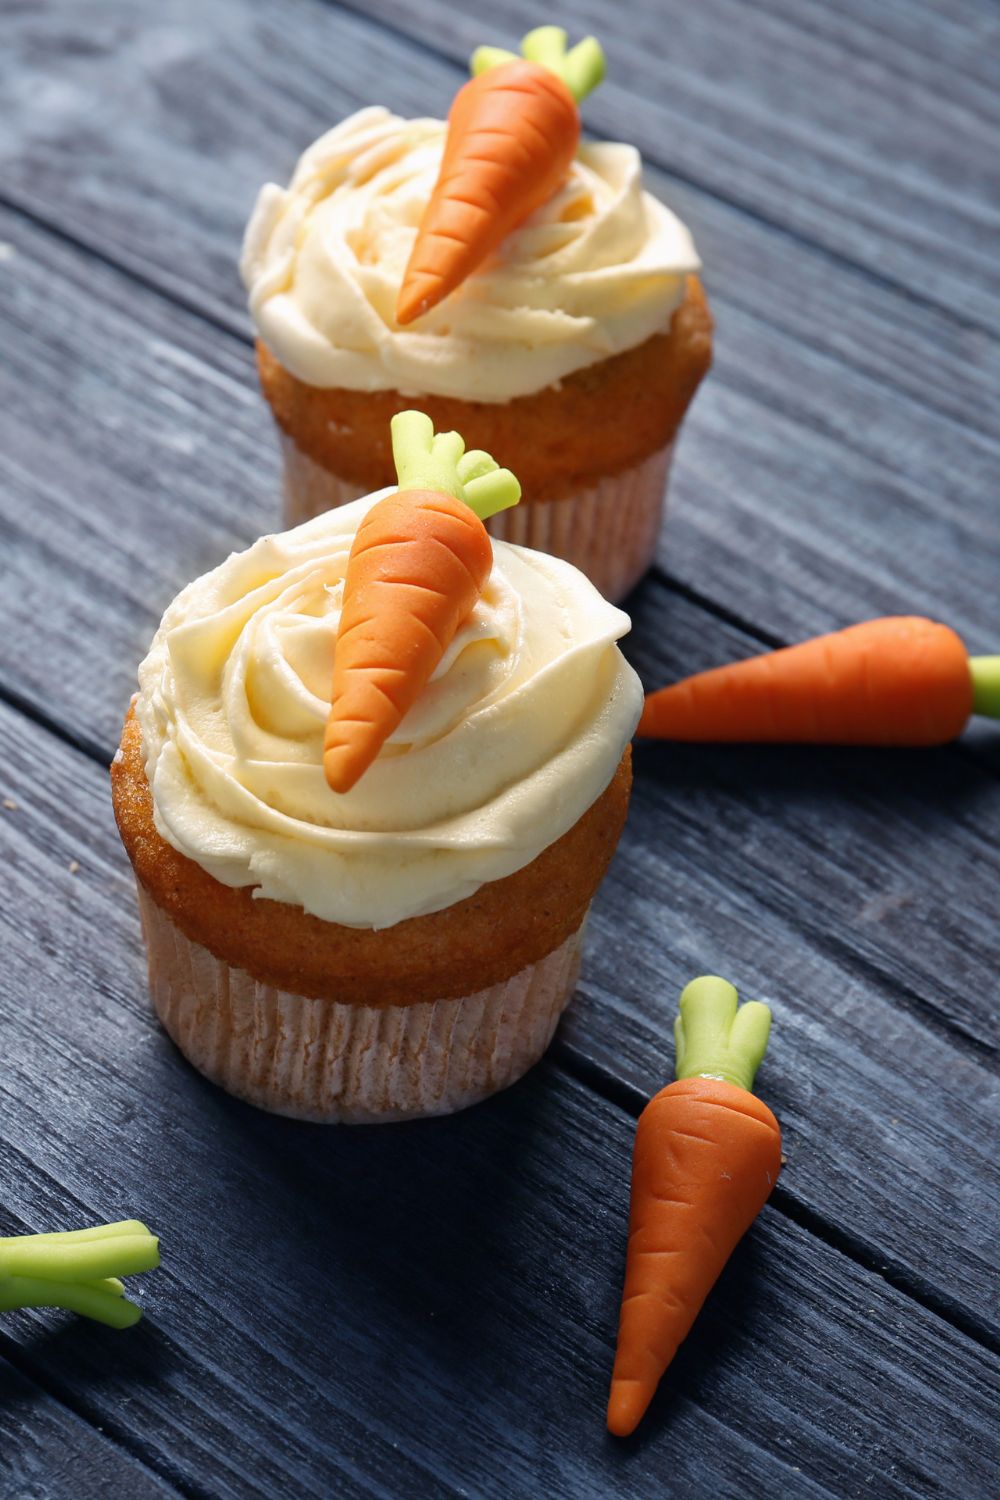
pixel 907 35
pixel 47 1452
pixel 427 1310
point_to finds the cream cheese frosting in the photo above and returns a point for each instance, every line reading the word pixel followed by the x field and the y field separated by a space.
pixel 596 271
pixel 520 730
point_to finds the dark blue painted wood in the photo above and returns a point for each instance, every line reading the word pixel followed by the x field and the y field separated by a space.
pixel 48 1450
pixel 835 164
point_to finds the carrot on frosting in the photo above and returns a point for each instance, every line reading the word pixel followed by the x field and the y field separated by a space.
pixel 513 131
pixel 419 562
pixel 902 680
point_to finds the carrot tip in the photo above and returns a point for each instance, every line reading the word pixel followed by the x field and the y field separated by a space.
pixel 626 1410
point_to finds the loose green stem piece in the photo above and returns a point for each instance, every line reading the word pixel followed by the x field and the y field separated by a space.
pixel 581 69
pixel 985 685
pixel 78 1269
pixel 716 1037
pixel 428 461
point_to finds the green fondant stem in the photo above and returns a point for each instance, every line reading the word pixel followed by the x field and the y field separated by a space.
pixel 79 1260
pixel 717 1037
pixel 545 45
pixel 985 685
pixel 75 1236
pixel 428 461
pixel 78 1269
pixel 83 1297
pixel 581 69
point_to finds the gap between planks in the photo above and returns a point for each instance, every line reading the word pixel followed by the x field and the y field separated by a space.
pixel 157 1485
pixel 73 1402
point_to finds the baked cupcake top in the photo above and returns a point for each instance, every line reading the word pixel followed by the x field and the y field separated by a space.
pixel 518 732
pixel 596 270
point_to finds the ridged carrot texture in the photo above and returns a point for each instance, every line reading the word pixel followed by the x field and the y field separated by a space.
pixel 902 680
pixel 513 131
pixel 419 562
pixel 78 1269
pixel 707 1154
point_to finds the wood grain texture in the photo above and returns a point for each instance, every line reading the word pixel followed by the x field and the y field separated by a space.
pixel 48 1451
pixel 872 931
pixel 799 449
pixel 428 1310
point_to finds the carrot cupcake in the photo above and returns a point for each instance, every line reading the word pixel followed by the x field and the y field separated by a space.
pixel 374 773
pixel 538 301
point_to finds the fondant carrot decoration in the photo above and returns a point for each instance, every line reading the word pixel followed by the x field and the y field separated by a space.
pixel 513 131
pixel 78 1270
pixel 419 562
pixel 902 680
pixel 707 1154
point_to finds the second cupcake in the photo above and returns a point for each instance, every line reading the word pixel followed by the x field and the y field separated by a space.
pixel 572 348
pixel 368 904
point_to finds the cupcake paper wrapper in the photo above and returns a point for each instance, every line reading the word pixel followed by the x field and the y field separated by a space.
pixel 328 1061
pixel 608 530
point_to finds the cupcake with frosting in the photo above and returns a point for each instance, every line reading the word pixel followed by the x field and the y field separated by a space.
pixel 545 306
pixel 375 770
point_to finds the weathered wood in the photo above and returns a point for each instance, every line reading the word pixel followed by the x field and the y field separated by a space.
pixel 797 445
pixel 47 1451
pixel 425 1310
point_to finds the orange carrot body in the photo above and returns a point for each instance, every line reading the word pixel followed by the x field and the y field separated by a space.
pixel 512 135
pixel 896 681
pixel 707 1155
pixel 419 562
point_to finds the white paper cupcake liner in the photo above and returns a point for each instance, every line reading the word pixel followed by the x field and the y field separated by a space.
pixel 328 1061
pixel 608 530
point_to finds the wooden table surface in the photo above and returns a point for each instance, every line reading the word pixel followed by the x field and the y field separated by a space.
pixel 430 1309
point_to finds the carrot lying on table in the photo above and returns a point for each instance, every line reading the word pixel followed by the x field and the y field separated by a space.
pixel 513 131
pixel 418 564
pixel 707 1154
pixel 902 680
pixel 78 1269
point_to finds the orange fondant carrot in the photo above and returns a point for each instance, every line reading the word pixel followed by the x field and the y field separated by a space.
pixel 419 561
pixel 896 681
pixel 513 131
pixel 707 1154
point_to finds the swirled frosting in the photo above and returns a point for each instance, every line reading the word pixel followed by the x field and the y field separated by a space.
pixel 520 730
pixel 599 269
